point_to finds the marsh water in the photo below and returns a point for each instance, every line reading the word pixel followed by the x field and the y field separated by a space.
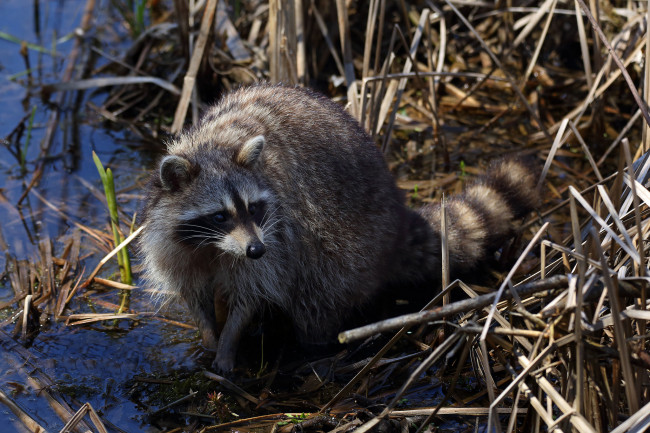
pixel 101 362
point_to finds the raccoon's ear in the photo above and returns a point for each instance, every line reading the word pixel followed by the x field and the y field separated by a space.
pixel 250 151
pixel 175 172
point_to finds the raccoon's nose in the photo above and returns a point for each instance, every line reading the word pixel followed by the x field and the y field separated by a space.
pixel 255 250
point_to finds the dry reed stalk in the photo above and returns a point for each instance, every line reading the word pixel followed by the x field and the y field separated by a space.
pixel 579 403
pixel 114 284
pixel 23 416
pixel 397 337
pixel 549 8
pixel 346 43
pixel 464 345
pixel 584 48
pixel 101 238
pixel 78 417
pixel 444 249
pixel 193 68
pixel 597 90
pixel 231 386
pixel 301 56
pixel 642 104
pixel 283 42
pixel 435 355
pixel 84 319
pixel 103 261
pixel 328 39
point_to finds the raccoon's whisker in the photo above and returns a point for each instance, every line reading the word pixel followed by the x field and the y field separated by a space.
pixel 215 239
pixel 192 227
pixel 235 260
pixel 267 217
pixel 218 257
pixel 272 222
pixel 196 235
pixel 200 244
pixel 201 226
pixel 271 219
pixel 269 229
pixel 202 236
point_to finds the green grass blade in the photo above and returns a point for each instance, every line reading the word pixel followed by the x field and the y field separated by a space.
pixel 123 259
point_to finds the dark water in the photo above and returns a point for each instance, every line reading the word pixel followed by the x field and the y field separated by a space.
pixel 93 364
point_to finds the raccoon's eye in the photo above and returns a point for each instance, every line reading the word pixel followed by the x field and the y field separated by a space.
pixel 252 208
pixel 220 217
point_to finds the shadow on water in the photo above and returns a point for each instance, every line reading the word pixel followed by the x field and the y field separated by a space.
pixel 99 363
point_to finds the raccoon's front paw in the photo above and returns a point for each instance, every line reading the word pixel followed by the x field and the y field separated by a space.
pixel 223 363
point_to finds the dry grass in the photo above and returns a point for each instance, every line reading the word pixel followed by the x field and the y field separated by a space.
pixel 560 343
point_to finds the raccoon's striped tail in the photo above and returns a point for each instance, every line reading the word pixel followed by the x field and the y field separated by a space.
pixel 487 213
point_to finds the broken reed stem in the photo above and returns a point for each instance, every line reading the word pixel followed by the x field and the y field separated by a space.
pixel 463 306
pixel 74 423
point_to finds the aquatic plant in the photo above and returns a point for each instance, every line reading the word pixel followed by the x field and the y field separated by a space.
pixel 123 259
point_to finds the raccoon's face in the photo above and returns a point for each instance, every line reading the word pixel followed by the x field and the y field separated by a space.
pixel 224 206
pixel 234 223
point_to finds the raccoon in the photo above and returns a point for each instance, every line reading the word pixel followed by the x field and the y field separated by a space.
pixel 279 198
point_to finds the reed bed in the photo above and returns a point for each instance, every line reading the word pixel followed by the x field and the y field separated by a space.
pixel 555 338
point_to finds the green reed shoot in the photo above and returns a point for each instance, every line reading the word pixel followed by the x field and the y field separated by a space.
pixel 123 255
pixel 132 12
pixel 139 16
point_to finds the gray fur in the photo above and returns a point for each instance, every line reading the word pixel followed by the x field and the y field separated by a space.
pixel 336 231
